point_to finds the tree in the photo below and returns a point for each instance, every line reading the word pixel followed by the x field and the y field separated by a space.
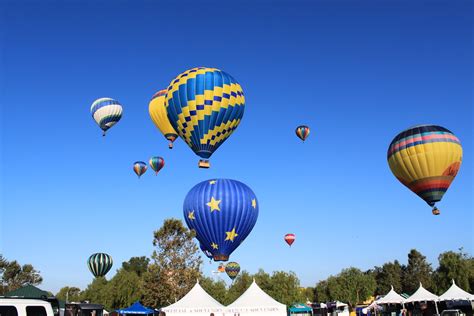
pixel 15 276
pixel 351 286
pixel 418 270
pixel 176 265
pixel 217 289
pixel 321 291
pixel 452 266
pixel 390 274
pixel 96 292
pixel 308 293
pixel 124 289
pixel 239 286
pixel 69 294
pixel 139 265
pixel 285 288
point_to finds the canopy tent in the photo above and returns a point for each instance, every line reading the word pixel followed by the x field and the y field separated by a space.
pixel 391 297
pixel 197 302
pixel 300 309
pixel 254 301
pixel 455 293
pixel 423 295
pixel 137 309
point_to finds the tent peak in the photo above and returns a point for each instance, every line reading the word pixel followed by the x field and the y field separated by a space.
pixel 391 287
pixel 453 281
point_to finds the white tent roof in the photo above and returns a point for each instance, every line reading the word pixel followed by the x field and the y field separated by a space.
pixel 421 295
pixel 392 297
pixel 255 301
pixel 197 302
pixel 455 293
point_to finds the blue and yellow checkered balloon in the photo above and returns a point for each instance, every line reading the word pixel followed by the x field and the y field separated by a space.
pixel 204 106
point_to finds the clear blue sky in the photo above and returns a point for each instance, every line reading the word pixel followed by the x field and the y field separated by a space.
pixel 357 72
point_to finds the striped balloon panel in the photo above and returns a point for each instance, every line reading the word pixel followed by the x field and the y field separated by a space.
pixel 140 168
pixel 205 106
pixel 99 264
pixel 156 163
pixel 106 112
pixel 302 132
pixel 159 116
pixel 426 159
pixel 222 212
pixel 232 269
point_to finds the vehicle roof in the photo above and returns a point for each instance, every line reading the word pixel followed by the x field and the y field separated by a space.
pixel 22 301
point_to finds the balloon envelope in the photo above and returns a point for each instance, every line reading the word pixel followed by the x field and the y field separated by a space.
pixel 222 212
pixel 204 106
pixel 159 117
pixel 426 159
pixel 99 264
pixel 232 269
pixel 106 112
pixel 302 132
pixel 290 239
pixel 156 163
pixel 139 167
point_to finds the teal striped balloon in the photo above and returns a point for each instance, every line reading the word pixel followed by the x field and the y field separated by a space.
pixel 99 264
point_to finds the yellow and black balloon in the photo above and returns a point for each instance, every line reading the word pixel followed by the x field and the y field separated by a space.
pixel 204 106
pixel 426 159
pixel 159 117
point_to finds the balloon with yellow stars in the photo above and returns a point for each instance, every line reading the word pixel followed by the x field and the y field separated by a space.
pixel 222 212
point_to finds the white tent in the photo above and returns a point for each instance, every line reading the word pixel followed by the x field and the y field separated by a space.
pixel 391 297
pixel 255 301
pixel 454 293
pixel 423 295
pixel 197 303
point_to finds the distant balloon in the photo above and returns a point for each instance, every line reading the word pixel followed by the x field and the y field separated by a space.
pixel 99 264
pixel 302 132
pixel 221 268
pixel 232 269
pixel 159 117
pixel 204 106
pixel 139 167
pixel 106 112
pixel 156 163
pixel 290 239
pixel 222 212
pixel 426 159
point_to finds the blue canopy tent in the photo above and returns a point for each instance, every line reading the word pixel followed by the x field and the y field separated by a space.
pixel 300 309
pixel 136 309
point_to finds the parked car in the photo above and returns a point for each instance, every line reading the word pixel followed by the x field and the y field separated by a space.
pixel 25 307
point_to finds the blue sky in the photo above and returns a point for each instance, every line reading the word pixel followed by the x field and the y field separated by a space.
pixel 356 72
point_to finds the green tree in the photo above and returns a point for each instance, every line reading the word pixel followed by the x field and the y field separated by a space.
pixel 238 287
pixel 418 270
pixel 14 276
pixel 285 288
pixel 308 293
pixel 139 265
pixel 452 266
pixel 321 291
pixel 390 274
pixel 69 294
pixel 96 292
pixel 176 265
pixel 351 286
pixel 217 289
pixel 124 289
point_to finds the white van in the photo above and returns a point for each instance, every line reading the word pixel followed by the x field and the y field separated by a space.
pixel 24 307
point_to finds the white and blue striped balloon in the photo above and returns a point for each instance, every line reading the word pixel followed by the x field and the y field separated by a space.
pixel 106 112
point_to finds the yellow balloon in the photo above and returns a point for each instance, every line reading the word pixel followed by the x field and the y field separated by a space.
pixel 160 117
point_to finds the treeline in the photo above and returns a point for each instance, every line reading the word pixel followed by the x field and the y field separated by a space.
pixel 175 265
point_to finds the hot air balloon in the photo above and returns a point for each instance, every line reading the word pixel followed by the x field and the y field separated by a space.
pixel 221 268
pixel 302 132
pixel 139 167
pixel 204 106
pixel 290 239
pixel 232 269
pixel 156 163
pixel 106 112
pixel 426 158
pixel 99 264
pixel 159 117
pixel 222 212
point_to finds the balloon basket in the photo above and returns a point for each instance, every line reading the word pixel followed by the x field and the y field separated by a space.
pixel 204 164
pixel 170 145
pixel 221 258
pixel 435 211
